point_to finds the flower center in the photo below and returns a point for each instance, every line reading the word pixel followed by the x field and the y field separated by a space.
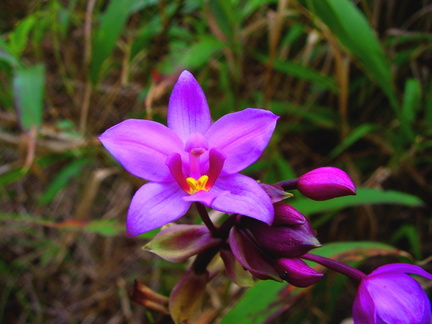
pixel 197 185
pixel 191 178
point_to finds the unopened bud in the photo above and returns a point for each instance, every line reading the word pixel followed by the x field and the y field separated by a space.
pixel 325 183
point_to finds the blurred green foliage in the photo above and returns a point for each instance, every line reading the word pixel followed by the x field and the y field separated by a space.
pixel 350 80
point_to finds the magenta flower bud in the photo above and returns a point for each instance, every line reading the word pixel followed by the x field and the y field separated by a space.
pixel 389 295
pixel 297 272
pixel 325 183
pixel 284 241
pixel 287 215
pixel 270 252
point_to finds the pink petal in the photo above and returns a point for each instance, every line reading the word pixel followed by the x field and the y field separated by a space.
pixel 364 311
pixel 401 268
pixel 154 205
pixel 188 110
pixel 398 298
pixel 142 147
pixel 245 197
pixel 242 136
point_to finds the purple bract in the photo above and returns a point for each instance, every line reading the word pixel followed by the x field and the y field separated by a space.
pixel 192 160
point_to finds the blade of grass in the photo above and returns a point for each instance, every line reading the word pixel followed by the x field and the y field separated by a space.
pixel 199 53
pixel 28 87
pixel 19 36
pixel 355 135
pixel 352 29
pixel 111 25
pixel 410 105
pixel 303 72
pixel 62 179
pixel 411 234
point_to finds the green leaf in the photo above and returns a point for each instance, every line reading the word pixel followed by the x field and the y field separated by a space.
pixel 428 104
pixel 62 179
pixel 364 196
pixel 320 116
pixel 199 53
pixel 330 250
pixel 226 18
pixel 6 54
pixel 355 135
pixel 256 305
pixel 411 234
pixel 12 175
pixel 19 37
pixel 145 36
pixel 111 25
pixel 352 29
pixel 303 72
pixel 105 227
pixel 28 88
pixel 411 100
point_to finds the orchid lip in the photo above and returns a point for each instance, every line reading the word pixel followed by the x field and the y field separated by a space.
pixel 196 181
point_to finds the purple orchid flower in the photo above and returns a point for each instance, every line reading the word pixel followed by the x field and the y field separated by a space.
pixel 388 295
pixel 192 160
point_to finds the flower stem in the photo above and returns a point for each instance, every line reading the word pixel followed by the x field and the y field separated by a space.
pixel 288 184
pixel 204 258
pixel 202 211
pixel 226 226
pixel 336 266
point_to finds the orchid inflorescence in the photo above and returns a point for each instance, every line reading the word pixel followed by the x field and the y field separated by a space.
pixel 196 161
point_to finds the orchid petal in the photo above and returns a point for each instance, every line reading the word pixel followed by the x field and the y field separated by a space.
pixel 188 111
pixel 245 197
pixel 364 310
pixel 242 136
pixel 205 197
pixel 401 268
pixel 398 298
pixel 154 205
pixel 142 147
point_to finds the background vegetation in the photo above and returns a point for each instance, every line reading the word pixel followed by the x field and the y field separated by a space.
pixel 351 81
